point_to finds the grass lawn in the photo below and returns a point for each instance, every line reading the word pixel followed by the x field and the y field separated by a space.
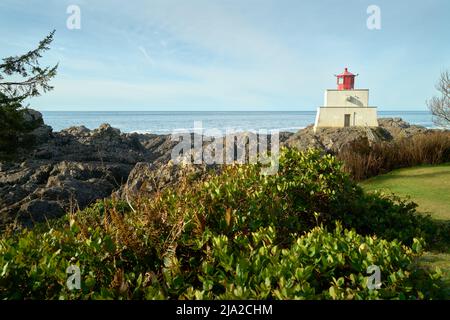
pixel 429 187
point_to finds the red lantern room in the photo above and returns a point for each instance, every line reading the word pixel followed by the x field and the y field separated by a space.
pixel 345 80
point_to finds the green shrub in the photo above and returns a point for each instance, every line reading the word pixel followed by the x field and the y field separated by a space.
pixel 309 189
pixel 238 234
pixel 318 265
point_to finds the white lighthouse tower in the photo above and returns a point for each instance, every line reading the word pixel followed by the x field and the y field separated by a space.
pixel 346 106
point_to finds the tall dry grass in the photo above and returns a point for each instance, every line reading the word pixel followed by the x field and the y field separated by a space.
pixel 363 161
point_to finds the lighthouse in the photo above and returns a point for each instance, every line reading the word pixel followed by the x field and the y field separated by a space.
pixel 346 106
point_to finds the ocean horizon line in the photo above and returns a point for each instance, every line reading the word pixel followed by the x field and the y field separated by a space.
pixel 214 111
pixel 162 122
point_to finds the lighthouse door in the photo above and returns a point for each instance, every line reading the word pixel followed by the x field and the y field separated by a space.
pixel 347 120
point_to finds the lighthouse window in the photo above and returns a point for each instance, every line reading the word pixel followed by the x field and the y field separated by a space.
pixel 340 80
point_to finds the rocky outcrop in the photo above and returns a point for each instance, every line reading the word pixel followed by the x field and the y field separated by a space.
pixel 43 132
pixel 397 128
pixel 27 188
pixel 146 179
pixel 105 144
pixel 73 168
pixel 334 139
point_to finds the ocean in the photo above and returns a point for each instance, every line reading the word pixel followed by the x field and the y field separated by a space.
pixel 161 122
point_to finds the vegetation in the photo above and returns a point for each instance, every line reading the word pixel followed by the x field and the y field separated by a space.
pixel 21 77
pixel 427 186
pixel 363 161
pixel 436 259
pixel 440 105
pixel 308 232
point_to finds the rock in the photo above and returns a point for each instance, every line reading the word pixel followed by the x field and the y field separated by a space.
pixel 15 176
pixel 397 128
pixel 327 139
pixel 304 139
pixel 39 211
pixel 146 179
pixel 80 131
pixel 106 129
pixel 72 185
pixel 393 122
pixel 105 144
pixel 77 193
pixel 73 168
pixel 31 115
pixel 41 134
pixel 334 139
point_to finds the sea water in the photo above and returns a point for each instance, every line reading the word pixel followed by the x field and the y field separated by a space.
pixel 162 122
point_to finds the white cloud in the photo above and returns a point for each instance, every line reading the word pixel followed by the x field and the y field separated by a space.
pixel 146 55
pixel 204 52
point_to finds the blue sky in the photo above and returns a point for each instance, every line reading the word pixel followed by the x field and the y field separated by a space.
pixel 231 55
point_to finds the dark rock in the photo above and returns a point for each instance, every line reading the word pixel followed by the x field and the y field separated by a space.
pixel 42 132
pixel 31 115
pixel 73 168
pixel 39 211
pixel 146 179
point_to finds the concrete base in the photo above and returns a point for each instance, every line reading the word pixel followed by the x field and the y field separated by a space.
pixel 339 117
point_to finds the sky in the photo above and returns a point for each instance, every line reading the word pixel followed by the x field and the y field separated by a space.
pixel 252 55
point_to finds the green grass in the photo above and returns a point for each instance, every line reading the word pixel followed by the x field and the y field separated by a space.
pixel 429 187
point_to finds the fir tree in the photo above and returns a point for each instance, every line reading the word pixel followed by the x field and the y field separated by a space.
pixel 21 77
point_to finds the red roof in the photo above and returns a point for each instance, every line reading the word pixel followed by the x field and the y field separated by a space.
pixel 345 73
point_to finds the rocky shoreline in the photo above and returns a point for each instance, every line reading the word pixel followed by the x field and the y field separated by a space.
pixel 71 169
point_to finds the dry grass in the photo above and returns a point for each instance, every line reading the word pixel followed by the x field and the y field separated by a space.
pixel 363 161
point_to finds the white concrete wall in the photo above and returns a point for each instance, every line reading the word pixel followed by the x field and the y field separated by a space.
pixel 334 116
pixel 347 98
